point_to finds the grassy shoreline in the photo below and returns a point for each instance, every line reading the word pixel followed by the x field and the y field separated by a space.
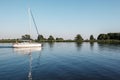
pixel 91 41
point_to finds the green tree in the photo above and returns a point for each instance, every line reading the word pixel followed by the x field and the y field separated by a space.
pixel 59 39
pixel 78 38
pixel 114 36
pixel 40 38
pixel 51 38
pixel 91 37
pixel 26 37
pixel 103 37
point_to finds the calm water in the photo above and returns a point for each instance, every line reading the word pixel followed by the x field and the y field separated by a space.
pixel 61 61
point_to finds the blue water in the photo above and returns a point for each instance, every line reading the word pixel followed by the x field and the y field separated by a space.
pixel 61 61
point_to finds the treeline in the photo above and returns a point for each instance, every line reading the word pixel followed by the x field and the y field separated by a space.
pixel 79 38
pixel 109 37
pixel 41 38
pixel 7 40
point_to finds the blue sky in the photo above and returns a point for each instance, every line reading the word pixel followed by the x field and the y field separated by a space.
pixel 60 18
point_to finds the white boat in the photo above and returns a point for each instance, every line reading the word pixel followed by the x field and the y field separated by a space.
pixel 27 50
pixel 28 44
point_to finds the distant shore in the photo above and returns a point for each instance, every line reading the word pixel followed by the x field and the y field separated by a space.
pixel 91 41
pixel 102 38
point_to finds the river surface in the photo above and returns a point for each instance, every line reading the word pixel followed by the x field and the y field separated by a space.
pixel 61 61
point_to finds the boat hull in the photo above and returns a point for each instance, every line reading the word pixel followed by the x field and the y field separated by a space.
pixel 26 45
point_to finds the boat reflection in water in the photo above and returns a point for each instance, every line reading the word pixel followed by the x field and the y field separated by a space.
pixel 28 51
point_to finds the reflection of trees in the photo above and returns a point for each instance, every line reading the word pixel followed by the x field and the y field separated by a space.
pixel 78 45
pixel 51 44
pixel 108 47
pixel 91 45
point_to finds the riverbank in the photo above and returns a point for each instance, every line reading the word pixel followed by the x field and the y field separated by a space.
pixel 91 41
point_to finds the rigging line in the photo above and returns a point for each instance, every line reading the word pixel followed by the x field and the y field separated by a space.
pixel 34 22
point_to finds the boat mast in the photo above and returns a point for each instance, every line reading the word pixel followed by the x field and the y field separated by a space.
pixel 30 13
pixel 30 21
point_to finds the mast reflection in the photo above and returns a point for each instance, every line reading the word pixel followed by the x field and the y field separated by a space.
pixel 28 51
